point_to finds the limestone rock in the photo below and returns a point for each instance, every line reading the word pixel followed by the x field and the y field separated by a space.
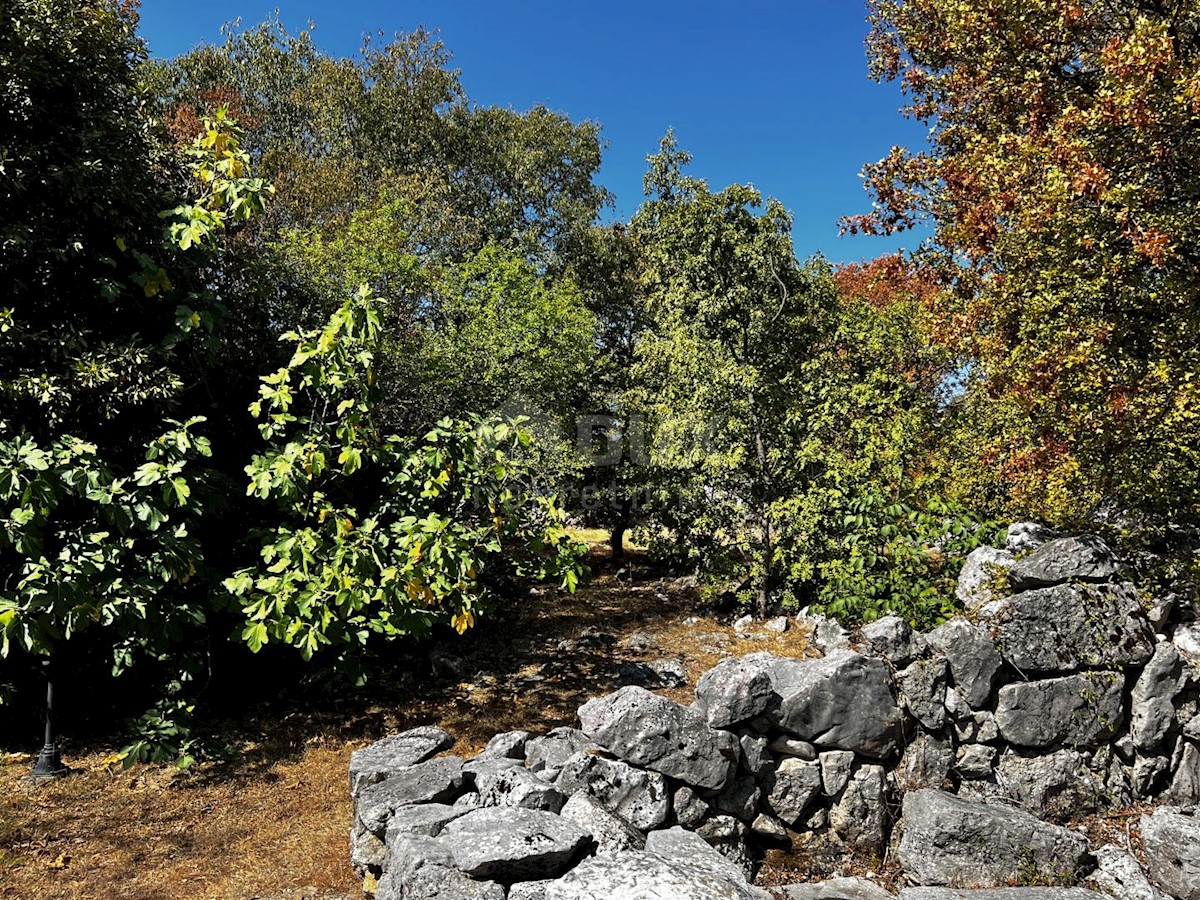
pixel 842 701
pixel 1152 702
pixel 1119 875
pixel 1013 893
pixel 647 730
pixel 1081 710
pixel 1185 783
pixel 387 757
pixel 1025 536
pixel 681 845
pixel 739 797
pixel 1069 627
pixel 517 786
pixel 1052 784
pixel 610 832
pixel 791 787
pixel 836 766
pixel 1172 842
pixel 860 816
pixel 925 764
pixel 735 690
pixel 639 797
pixel 435 882
pixel 513 844
pixel 949 841
pixel 923 689
pixel 434 781
pixel 638 874
pixel 689 807
pixel 546 754
pixel 1085 558
pixel 982 568
pixel 835 889
pixel 975 761
pixel 974 661
pixel 428 819
pixel 892 639
pixel 790 746
pixel 530 890
pixel 507 745
pixel 755 754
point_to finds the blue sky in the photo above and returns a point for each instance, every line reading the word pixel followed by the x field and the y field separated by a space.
pixel 771 93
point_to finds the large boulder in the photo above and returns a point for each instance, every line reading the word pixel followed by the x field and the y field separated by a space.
pixel 639 874
pixel 517 786
pixel 952 841
pixel 1084 709
pixel 1069 627
pixel 610 832
pixel 975 663
pixel 681 845
pixel 513 844
pixel 735 690
pixel 1172 842
pixel 842 701
pixel 1085 558
pixel 983 568
pixel 387 757
pixel 647 730
pixel 639 797
pixel 1119 875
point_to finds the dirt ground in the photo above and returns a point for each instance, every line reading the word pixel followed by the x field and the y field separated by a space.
pixel 273 823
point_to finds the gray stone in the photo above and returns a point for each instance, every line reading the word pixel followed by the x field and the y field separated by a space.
pixel 650 731
pixel 755 755
pixel 1172 843
pixel 689 807
pixel 925 764
pixel 728 836
pixel 951 841
pixel 1081 710
pixel 778 624
pixel 487 765
pixel 434 781
pixel 1148 775
pixel 639 797
pixel 975 761
pixel 1012 893
pixel 828 635
pixel 1069 627
pixel 842 701
pixel 860 816
pixel 982 569
pixel 970 727
pixel 769 827
pixel 743 623
pixel 1185 783
pixel 735 690
pixel 428 819
pixel 1186 639
pixel 546 754
pixel 1055 784
pixel 517 786
pixel 853 888
pixel 530 890
pixel 610 832
pixel 791 787
pixel 1084 558
pixel 507 745
pixel 646 876
pixel 1152 702
pixel 892 638
pixel 434 882
pixel 923 689
pixel 513 844
pixel 387 757
pixel 790 746
pixel 740 797
pixel 367 851
pixel 975 663
pixel 681 845
pixel 836 766
pixel 1118 874
pixel 1026 536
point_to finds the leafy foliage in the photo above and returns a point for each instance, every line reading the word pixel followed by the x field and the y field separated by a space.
pixel 902 557
pixel 378 535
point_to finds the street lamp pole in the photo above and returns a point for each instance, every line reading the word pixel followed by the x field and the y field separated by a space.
pixel 48 764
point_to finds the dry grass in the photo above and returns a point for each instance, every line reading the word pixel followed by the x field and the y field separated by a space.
pixel 274 823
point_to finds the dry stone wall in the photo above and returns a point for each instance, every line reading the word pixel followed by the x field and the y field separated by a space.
pixel 1054 697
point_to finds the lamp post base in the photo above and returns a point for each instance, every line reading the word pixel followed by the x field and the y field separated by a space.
pixel 48 764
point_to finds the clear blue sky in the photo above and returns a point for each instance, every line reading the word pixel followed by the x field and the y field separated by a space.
pixel 771 93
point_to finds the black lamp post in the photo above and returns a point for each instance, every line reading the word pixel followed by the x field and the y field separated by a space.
pixel 48 764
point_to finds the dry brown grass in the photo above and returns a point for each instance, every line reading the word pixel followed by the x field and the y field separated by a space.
pixel 274 823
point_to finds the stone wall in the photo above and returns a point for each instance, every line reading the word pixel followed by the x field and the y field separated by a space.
pixel 1054 697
